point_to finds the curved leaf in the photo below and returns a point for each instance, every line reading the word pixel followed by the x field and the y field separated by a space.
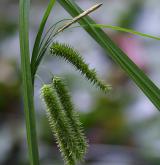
pixel 133 71
pixel 125 30
pixel 39 35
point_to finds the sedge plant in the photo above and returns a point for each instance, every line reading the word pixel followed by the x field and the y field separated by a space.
pixel 63 119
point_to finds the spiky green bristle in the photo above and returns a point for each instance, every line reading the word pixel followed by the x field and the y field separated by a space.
pixel 61 129
pixel 72 56
pixel 72 116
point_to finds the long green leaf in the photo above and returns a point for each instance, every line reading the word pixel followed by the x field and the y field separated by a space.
pixel 39 35
pixel 117 28
pixel 125 30
pixel 27 82
pixel 137 75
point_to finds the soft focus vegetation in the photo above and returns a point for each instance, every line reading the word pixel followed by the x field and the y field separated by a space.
pixel 122 125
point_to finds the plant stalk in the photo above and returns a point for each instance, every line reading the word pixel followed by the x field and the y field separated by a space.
pixel 27 81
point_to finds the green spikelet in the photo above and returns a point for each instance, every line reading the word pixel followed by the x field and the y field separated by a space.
pixel 59 125
pixel 72 116
pixel 69 54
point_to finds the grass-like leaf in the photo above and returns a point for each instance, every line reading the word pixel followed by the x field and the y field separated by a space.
pixel 121 29
pixel 39 36
pixel 44 44
pixel 135 73
pixel 27 82
pixel 131 31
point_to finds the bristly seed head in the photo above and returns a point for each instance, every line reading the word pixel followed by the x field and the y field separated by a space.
pixel 72 117
pixel 59 125
pixel 72 56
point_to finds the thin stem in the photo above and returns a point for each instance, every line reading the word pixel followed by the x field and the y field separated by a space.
pixel 75 19
pixel 27 82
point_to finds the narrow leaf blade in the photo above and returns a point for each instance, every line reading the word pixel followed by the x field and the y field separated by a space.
pixel 136 74
pixel 117 28
pixel 27 82
pixel 39 34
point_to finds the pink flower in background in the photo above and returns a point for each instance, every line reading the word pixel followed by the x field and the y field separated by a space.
pixel 133 48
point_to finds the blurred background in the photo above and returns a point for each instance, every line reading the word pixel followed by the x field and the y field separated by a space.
pixel 122 127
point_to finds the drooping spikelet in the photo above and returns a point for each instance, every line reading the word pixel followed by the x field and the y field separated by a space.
pixel 59 125
pixel 72 56
pixel 72 117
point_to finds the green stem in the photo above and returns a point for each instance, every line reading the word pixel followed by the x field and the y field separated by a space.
pixel 27 82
